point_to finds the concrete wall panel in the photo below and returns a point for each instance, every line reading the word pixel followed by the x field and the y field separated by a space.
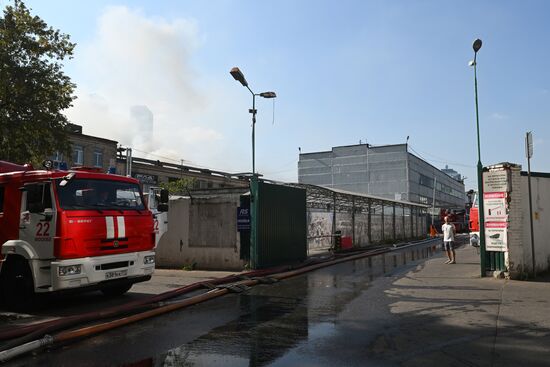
pixel 203 233
pixel 540 187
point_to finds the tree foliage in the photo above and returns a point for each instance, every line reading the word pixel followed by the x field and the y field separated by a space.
pixel 179 187
pixel 33 88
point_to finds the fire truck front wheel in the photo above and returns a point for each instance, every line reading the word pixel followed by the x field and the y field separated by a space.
pixel 16 284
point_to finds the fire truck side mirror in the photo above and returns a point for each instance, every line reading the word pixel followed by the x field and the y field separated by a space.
pixel 47 214
pixel 164 197
pixel 162 207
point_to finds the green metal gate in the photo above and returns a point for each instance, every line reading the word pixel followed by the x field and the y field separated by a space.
pixel 278 224
pixel 494 260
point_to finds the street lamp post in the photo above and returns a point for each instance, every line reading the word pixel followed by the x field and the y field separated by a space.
pixel 239 76
pixel 476 46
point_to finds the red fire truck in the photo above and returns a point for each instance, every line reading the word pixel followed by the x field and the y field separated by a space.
pixel 456 217
pixel 71 230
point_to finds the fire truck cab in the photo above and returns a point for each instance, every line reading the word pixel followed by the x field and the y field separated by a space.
pixel 157 202
pixel 474 222
pixel 71 230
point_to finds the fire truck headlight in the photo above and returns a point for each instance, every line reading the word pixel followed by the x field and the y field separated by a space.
pixel 147 260
pixel 69 270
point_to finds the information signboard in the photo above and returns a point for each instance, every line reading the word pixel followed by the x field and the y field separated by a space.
pixel 494 206
pixel 496 181
pixel 496 236
pixel 243 219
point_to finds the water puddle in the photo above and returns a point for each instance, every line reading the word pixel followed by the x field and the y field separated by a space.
pixel 276 320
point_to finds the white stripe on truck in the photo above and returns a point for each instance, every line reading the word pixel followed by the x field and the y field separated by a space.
pixel 121 227
pixel 110 227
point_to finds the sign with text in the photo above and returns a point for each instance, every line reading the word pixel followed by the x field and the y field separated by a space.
pixel 243 219
pixel 496 236
pixel 496 181
pixel 146 179
pixel 494 206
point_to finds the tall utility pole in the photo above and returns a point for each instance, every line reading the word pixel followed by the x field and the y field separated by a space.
pixel 239 76
pixel 529 154
pixel 476 46
pixel 129 162
pixel 433 200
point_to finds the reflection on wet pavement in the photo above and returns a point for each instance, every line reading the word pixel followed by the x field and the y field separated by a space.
pixel 276 319
pixel 302 321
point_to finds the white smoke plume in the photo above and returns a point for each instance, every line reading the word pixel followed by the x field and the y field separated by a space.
pixel 134 61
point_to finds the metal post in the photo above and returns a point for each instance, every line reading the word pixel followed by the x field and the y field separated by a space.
pixel 129 162
pixel 433 200
pixel 418 219
pixel 529 152
pixel 411 210
pixel 383 227
pixel 393 222
pixel 370 223
pixel 239 76
pixel 407 171
pixel 404 229
pixel 333 219
pixel 353 221
pixel 254 205
pixel 482 251
pixel 253 112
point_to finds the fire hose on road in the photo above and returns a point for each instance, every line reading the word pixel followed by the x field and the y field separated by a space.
pixel 34 337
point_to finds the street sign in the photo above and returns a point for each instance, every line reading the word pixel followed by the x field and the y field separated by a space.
pixel 529 144
pixel 243 219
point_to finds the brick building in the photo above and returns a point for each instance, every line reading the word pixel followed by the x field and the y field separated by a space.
pixel 93 151
pixel 87 150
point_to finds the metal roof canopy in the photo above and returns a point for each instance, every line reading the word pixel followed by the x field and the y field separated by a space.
pixel 324 198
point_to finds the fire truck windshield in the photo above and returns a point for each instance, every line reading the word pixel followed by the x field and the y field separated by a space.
pixel 82 194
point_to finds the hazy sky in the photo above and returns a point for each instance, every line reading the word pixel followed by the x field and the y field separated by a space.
pixel 343 71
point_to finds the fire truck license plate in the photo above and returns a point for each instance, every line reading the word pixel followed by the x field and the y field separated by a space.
pixel 116 274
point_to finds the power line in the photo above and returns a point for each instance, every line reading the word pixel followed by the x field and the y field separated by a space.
pixel 440 161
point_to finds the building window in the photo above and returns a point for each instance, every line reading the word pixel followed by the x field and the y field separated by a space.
pixel 78 155
pixel 98 158
pixel 58 162
pixel 426 181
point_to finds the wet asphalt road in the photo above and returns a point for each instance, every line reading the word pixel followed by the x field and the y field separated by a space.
pixel 329 317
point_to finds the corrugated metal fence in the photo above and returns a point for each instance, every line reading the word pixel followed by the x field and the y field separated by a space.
pixel 278 227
